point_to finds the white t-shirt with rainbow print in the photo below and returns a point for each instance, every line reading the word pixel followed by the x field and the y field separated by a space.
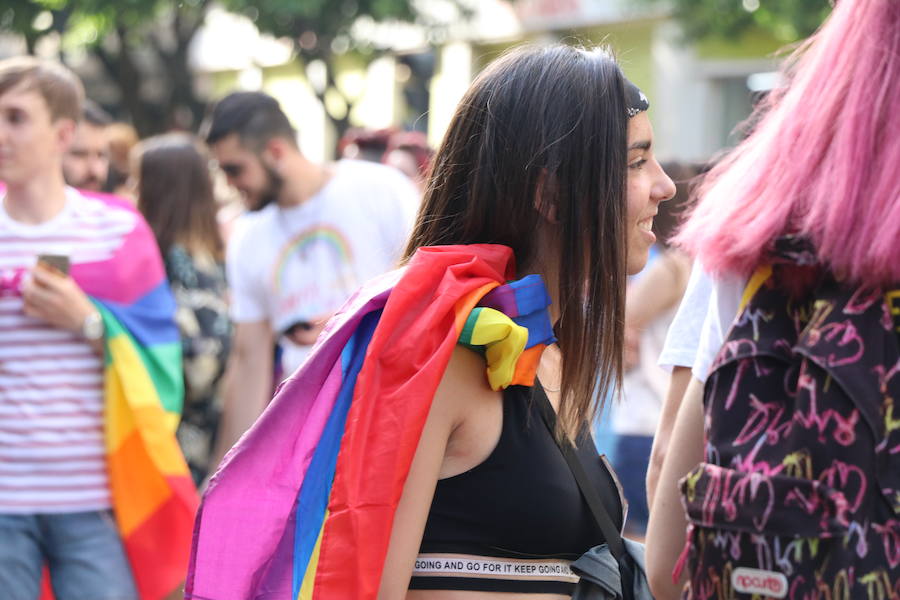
pixel 295 265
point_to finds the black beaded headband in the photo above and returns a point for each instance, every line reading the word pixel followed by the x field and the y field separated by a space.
pixel 635 100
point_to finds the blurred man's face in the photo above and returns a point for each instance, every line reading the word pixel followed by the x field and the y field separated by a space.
pixel 258 183
pixel 31 142
pixel 86 164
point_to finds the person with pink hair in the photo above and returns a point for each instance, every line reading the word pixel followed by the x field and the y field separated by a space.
pixel 797 491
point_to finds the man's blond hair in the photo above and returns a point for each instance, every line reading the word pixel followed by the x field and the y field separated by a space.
pixel 60 87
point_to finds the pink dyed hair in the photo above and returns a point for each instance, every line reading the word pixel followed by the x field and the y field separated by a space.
pixel 823 161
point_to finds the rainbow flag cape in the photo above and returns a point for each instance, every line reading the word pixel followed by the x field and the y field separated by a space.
pixel 302 506
pixel 154 499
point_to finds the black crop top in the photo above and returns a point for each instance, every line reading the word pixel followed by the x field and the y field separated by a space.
pixel 515 521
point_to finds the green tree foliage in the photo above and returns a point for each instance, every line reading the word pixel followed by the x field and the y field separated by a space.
pixel 133 40
pixel 21 16
pixel 786 20
pixel 323 31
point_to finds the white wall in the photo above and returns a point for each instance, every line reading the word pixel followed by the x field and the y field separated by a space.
pixel 688 110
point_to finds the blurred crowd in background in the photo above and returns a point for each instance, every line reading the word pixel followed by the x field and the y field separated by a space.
pixel 379 85
pixel 354 85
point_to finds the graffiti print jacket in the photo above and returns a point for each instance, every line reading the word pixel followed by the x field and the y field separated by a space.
pixel 799 494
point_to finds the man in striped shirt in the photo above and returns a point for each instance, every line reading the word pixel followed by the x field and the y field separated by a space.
pixel 54 493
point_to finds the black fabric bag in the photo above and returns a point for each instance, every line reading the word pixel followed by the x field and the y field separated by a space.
pixel 602 569
pixel 601 577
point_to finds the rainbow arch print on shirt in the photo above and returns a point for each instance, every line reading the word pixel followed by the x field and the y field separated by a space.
pixel 330 237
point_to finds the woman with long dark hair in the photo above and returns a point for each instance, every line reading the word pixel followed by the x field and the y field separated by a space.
pixel 541 157
pixel 421 405
pixel 175 195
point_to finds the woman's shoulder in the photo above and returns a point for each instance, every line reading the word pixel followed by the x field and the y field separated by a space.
pixel 466 371
pixel 464 384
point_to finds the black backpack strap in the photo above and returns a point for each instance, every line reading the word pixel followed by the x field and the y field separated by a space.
pixel 610 533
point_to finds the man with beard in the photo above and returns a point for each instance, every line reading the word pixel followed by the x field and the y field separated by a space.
pixel 312 235
pixel 86 163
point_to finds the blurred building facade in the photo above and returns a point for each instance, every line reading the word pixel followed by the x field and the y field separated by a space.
pixel 698 91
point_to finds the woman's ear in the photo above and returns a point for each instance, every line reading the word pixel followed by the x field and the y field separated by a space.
pixel 545 197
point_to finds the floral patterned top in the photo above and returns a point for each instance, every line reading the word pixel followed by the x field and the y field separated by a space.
pixel 200 290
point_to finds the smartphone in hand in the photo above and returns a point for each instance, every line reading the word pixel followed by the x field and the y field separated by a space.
pixel 57 262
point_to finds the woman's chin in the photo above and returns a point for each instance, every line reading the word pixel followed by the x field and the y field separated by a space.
pixel 636 265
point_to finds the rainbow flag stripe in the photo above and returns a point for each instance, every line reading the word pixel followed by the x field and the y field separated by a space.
pixel 154 499
pixel 303 505
pixel 510 326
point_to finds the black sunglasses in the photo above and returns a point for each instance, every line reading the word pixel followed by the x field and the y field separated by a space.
pixel 231 169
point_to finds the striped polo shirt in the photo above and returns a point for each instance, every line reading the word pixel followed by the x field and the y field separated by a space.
pixel 52 455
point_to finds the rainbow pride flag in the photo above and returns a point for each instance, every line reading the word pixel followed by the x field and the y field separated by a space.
pixel 303 505
pixel 154 499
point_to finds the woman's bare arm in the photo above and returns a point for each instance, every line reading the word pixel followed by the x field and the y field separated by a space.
pixel 463 384
pixel 658 289
pixel 667 525
pixel 678 384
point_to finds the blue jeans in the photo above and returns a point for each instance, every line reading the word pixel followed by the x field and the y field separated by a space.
pixel 82 550
pixel 632 458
